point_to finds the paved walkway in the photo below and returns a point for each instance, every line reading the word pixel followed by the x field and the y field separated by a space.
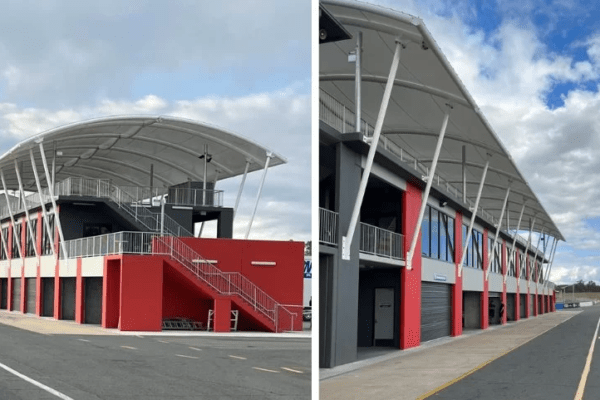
pixel 50 326
pixel 416 373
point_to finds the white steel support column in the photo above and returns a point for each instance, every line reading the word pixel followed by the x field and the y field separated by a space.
pixel 527 248
pixel 262 182
pixel 25 206
pixel 242 183
pixel 4 246
pixel 12 216
pixel 358 82
pixel 347 240
pixel 56 216
pixel 473 216
pixel 537 249
pixel 512 249
pixel 555 245
pixel 42 204
pixel 542 272
pixel 162 215
pixel 487 272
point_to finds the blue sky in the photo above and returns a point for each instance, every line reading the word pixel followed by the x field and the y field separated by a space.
pixel 240 65
pixel 533 67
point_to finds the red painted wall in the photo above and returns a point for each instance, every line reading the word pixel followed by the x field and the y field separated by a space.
pixel 141 293
pixel 181 299
pixel 457 292
pixel 410 281
pixel 517 296
pixel 79 299
pixel 284 281
pixel 222 316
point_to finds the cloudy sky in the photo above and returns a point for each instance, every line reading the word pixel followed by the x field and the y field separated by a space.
pixel 238 64
pixel 534 69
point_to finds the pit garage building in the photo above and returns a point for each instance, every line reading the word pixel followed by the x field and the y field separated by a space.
pixel 420 203
pixel 97 224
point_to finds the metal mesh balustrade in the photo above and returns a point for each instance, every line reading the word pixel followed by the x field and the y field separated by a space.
pixel 328 221
pixel 380 242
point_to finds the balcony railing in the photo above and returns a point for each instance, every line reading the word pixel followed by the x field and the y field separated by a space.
pixel 328 222
pixel 381 242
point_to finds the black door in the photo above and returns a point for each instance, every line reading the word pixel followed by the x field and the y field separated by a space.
pixel 93 300
pixel 67 294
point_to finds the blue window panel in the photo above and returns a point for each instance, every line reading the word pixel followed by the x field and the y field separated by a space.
pixel 443 237
pixel 435 233
pixel 425 233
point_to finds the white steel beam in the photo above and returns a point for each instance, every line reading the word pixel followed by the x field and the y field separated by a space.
pixel 473 216
pixel 347 239
pixel 358 81
pixel 537 249
pixel 42 204
pixel 512 249
pixel 262 182
pixel 12 216
pixel 531 225
pixel 487 272
pixel 552 251
pixel 26 207
pixel 51 190
pixel 239 195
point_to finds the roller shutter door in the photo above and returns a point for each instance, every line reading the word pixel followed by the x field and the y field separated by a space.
pixel 48 294
pixel 67 294
pixel 510 307
pixel 4 293
pixel 93 300
pixel 436 310
pixel 531 305
pixel 16 291
pixel 31 291
pixel 522 305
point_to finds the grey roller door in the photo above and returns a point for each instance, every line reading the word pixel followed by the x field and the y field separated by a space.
pixel 48 297
pixel 4 293
pixel 16 294
pixel 522 305
pixel 530 305
pixel 93 300
pixel 510 307
pixel 67 294
pixel 436 310
pixel 31 295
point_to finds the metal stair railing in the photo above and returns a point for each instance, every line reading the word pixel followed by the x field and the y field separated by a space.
pixel 225 283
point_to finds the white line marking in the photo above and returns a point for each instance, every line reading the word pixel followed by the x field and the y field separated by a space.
pixel 267 370
pixel 586 369
pixel 195 348
pixel 83 340
pixel 129 347
pixel 184 356
pixel 140 336
pixel 36 383
pixel 238 357
pixel 292 370
pixel 163 341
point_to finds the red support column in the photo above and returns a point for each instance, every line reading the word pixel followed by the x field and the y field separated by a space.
pixel 57 292
pixel 410 283
pixel 504 269
pixel 111 292
pixel 39 234
pixel 9 294
pixel 457 291
pixel 536 306
pixel 79 294
pixel 23 289
pixel 528 297
pixel 485 299
pixel 38 292
pixel 517 295
pixel 222 314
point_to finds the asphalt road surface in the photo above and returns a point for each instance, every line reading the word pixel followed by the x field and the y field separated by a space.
pixel 548 367
pixel 146 367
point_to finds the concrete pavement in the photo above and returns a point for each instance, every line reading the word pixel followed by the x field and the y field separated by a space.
pixel 420 372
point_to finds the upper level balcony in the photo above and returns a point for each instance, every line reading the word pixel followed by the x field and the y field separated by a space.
pixel 103 189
